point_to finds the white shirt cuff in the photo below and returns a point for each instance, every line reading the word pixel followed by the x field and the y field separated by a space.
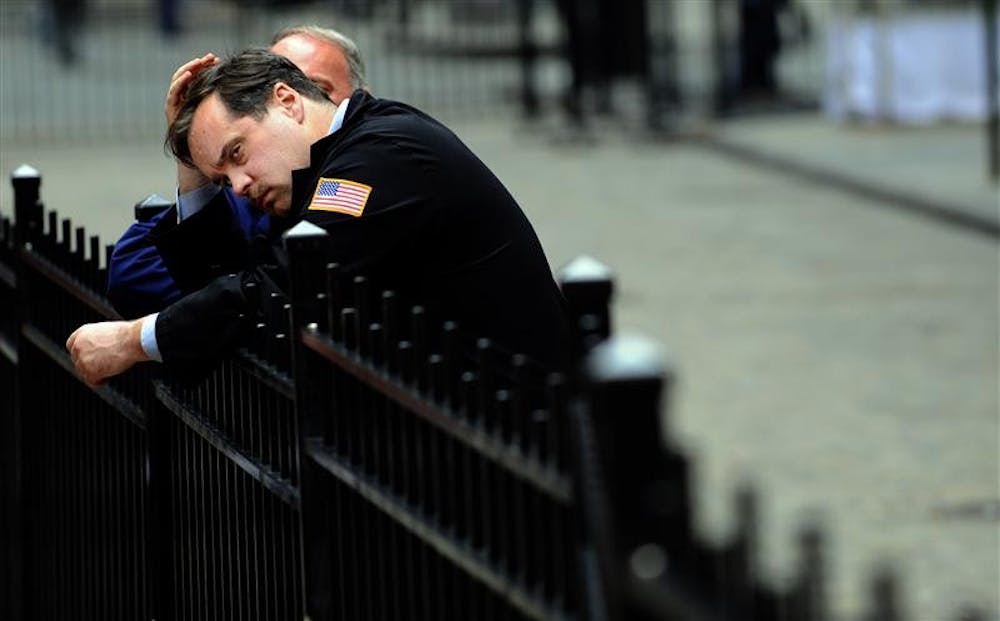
pixel 148 338
pixel 194 201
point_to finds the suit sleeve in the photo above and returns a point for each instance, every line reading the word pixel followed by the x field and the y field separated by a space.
pixel 155 263
pixel 202 247
pixel 139 282
pixel 210 322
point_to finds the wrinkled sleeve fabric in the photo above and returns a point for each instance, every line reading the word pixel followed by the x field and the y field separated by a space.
pixel 139 282
pixel 155 263
pixel 209 322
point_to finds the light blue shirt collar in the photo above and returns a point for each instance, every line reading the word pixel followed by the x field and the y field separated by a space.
pixel 338 118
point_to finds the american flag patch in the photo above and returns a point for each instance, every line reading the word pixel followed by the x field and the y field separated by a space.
pixel 340 195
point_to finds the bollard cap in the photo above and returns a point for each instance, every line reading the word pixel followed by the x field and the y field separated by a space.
pixel 146 209
pixel 626 358
pixel 585 269
pixel 304 229
pixel 154 200
pixel 25 171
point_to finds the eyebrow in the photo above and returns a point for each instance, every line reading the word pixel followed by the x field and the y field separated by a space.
pixel 226 148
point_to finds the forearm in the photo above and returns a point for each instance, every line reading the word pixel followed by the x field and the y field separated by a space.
pixel 210 322
pixel 203 325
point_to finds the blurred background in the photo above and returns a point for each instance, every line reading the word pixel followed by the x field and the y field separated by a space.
pixel 799 199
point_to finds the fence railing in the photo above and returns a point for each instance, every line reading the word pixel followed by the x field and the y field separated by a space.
pixel 352 462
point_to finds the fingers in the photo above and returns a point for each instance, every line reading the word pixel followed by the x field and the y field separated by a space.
pixel 179 82
pixel 105 349
pixel 194 65
pixel 71 340
pixel 89 354
pixel 74 347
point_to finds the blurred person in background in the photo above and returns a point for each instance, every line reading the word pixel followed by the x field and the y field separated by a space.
pixel 169 17
pixel 760 43
pixel 65 19
pixel 594 66
pixel 140 279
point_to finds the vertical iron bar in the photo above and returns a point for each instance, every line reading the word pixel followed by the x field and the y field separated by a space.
pixel 992 88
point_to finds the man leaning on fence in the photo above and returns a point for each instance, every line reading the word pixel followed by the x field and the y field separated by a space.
pixel 140 281
pixel 404 201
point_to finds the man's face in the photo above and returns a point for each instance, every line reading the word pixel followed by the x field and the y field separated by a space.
pixel 255 157
pixel 322 62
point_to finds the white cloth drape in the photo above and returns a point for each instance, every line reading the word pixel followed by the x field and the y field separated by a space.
pixel 914 69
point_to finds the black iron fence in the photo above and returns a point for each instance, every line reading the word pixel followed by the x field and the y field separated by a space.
pixel 352 462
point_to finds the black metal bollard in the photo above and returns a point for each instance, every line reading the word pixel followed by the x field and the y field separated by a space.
pixel 626 380
pixel 313 291
pixel 587 285
pixel 27 206
pixel 148 208
pixel 637 507
pixel 306 246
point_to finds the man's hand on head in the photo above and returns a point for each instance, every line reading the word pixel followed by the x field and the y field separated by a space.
pixel 179 82
pixel 102 350
pixel 188 178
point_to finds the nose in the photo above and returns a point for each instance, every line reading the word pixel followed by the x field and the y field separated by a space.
pixel 240 182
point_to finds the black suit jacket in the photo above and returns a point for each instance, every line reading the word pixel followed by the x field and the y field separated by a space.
pixel 437 226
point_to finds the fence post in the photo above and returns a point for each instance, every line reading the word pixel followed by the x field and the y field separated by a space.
pixel 28 218
pixel 25 181
pixel 159 439
pixel 27 206
pixel 587 285
pixel 645 482
pixel 305 244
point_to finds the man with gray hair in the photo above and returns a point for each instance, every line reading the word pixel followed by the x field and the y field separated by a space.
pixel 140 281
pixel 403 200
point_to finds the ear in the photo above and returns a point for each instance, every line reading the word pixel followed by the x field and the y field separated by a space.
pixel 288 101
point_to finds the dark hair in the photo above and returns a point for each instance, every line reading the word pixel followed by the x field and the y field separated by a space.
pixel 244 82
